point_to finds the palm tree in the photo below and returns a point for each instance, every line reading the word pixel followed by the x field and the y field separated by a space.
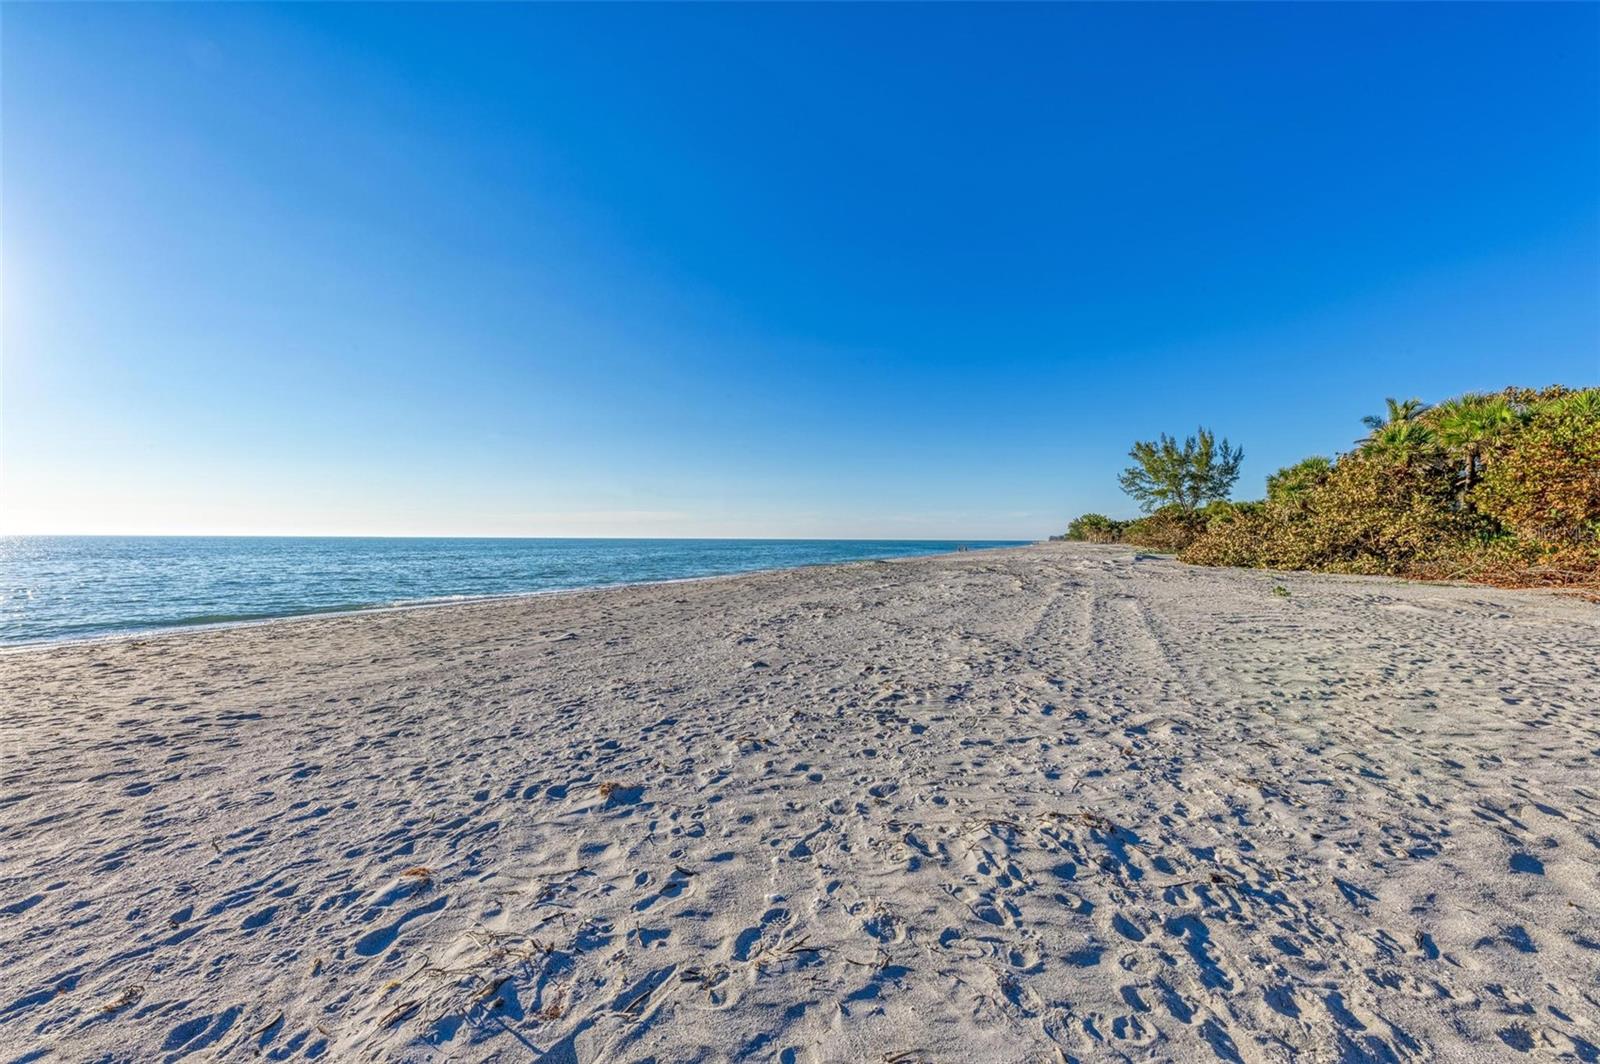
pixel 1397 433
pixel 1293 482
pixel 1465 425
pixel 1583 403
pixel 1399 413
pixel 1399 439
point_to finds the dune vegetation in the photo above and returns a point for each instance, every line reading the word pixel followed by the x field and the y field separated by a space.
pixel 1501 488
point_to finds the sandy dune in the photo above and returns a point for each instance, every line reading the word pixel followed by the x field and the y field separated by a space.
pixel 1056 803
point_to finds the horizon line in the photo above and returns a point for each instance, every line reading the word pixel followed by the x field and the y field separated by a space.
pixel 433 535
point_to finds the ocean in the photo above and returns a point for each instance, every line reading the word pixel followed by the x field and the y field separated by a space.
pixel 76 587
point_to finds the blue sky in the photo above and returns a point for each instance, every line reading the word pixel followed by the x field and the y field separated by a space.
pixel 780 270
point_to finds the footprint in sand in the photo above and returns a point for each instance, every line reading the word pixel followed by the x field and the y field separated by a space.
pixel 379 939
pixel 191 1036
pixel 744 945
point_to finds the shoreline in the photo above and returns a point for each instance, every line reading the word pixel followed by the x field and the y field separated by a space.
pixel 1000 805
pixel 450 602
pixel 444 602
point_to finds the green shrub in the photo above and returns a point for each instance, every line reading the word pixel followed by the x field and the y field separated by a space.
pixel 1541 482
pixel 1295 480
pixel 1504 488
pixel 1244 541
pixel 1372 513
pixel 1226 511
pixel 1168 530
pixel 1095 528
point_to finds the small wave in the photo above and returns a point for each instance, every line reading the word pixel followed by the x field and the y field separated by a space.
pixel 200 619
pixel 150 625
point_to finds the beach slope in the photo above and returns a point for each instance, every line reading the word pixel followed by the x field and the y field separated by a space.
pixel 1053 803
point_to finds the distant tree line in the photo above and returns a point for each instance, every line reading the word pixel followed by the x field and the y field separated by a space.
pixel 1502 487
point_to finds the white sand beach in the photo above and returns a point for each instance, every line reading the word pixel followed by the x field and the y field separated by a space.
pixel 1054 803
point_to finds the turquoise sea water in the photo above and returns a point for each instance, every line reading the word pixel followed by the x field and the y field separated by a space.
pixel 71 587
